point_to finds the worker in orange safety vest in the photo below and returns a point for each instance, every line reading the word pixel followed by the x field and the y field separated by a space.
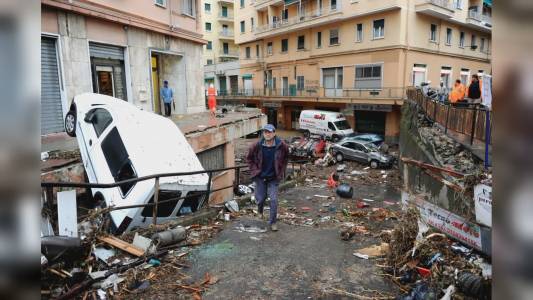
pixel 458 92
pixel 211 99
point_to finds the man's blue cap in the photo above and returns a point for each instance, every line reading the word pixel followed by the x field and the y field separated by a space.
pixel 269 127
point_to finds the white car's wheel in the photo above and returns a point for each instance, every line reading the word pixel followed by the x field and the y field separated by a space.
pixel 374 164
pixel 339 157
pixel 70 123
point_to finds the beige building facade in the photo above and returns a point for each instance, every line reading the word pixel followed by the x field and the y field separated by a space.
pixel 124 49
pixel 355 56
pixel 221 54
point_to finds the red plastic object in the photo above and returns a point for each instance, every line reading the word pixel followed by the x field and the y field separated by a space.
pixel 423 271
pixel 361 204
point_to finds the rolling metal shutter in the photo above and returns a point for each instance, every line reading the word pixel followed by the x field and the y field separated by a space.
pixel 213 158
pixel 51 108
pixel 106 51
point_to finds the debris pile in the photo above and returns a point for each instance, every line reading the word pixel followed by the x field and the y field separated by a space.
pixel 429 265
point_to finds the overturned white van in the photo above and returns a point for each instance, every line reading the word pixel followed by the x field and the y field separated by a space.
pixel 117 142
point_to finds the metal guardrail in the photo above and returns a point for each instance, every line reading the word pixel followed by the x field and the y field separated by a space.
pixel 470 120
pixel 383 93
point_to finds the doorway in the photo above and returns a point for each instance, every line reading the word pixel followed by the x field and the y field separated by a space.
pixel 272 116
pixel 370 121
pixel 104 81
pixel 285 86
pixel 155 83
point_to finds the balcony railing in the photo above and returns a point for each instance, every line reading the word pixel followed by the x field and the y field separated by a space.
pixel 226 33
pixel 226 16
pixel 229 53
pixel 301 18
pixel 442 3
pixel 383 93
pixel 477 16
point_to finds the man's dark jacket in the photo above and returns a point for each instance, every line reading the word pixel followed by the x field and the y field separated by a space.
pixel 473 90
pixel 255 158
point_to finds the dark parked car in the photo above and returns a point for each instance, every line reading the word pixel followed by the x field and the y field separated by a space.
pixel 365 152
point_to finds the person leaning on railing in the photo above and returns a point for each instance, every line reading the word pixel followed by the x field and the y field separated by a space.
pixel 457 95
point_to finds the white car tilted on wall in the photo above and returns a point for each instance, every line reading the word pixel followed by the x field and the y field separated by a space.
pixel 117 142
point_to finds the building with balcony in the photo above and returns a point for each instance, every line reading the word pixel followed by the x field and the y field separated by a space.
pixel 125 49
pixel 356 57
pixel 221 54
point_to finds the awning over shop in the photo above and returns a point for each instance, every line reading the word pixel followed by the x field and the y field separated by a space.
pixel 247 76
pixel 487 2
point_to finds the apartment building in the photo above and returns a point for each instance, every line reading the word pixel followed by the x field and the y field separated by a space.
pixel 355 56
pixel 124 49
pixel 221 54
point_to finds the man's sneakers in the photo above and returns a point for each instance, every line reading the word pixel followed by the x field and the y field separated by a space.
pixel 274 227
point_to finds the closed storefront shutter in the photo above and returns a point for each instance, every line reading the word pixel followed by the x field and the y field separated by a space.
pixel 51 107
pixel 103 55
pixel 213 158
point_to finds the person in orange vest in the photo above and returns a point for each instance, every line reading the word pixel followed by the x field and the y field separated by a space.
pixel 458 92
pixel 211 99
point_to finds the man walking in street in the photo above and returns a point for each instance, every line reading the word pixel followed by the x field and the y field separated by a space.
pixel 168 97
pixel 267 160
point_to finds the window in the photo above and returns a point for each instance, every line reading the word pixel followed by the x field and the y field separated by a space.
pixel 448 36
pixel 299 83
pixel 257 50
pixel 331 127
pixel 379 28
pixel 459 4
pixel 224 12
pixel 225 48
pixel 242 27
pixel 333 4
pixel 269 48
pixel 209 61
pixel 285 14
pixel 242 3
pixel 284 45
pixel 473 42
pixel 301 42
pixel 118 160
pixel 319 39
pixel 248 55
pixel 482 45
pixel 334 37
pixel 465 76
pixel 207 7
pixel 162 3
pixel 207 26
pixel 252 22
pixel 419 74
pixel 368 77
pixel 189 7
pixel 462 39
pixel 433 33
pixel 359 33
pixel 445 76
pixel 209 45
pixel 100 118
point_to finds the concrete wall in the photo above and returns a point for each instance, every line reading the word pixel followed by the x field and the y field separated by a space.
pixel 412 146
pixel 182 58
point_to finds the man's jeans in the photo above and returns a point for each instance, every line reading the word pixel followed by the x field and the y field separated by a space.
pixel 167 109
pixel 263 187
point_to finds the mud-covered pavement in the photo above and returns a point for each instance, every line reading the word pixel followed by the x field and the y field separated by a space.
pixel 306 258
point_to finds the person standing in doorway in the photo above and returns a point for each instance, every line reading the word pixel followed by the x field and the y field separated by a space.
pixel 267 160
pixel 168 97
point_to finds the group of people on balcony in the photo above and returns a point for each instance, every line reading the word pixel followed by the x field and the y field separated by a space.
pixel 463 95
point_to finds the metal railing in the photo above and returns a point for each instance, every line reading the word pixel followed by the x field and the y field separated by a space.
pixel 229 53
pixel 300 18
pixel 442 3
pixel 226 33
pixel 383 93
pixel 225 16
pixel 469 120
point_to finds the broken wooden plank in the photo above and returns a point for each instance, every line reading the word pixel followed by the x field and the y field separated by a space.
pixel 122 245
